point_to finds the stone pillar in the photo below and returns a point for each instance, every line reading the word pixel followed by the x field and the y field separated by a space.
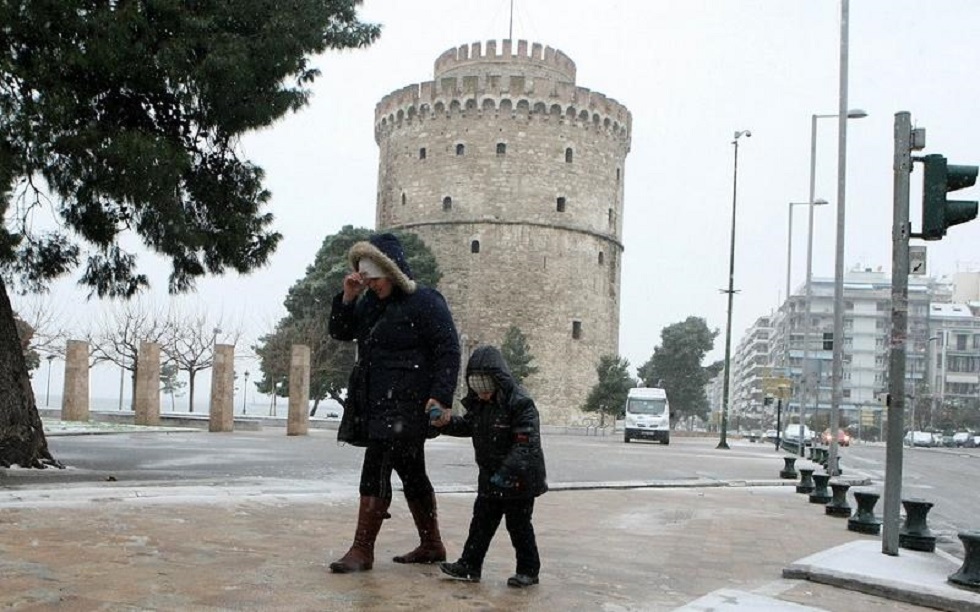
pixel 222 416
pixel 74 400
pixel 148 384
pixel 298 423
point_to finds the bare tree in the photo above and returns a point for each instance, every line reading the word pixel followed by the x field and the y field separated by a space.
pixel 189 344
pixel 121 329
pixel 50 329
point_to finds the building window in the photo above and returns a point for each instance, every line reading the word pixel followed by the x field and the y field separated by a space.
pixel 617 175
pixel 602 258
pixel 475 246
pixel 447 203
pixel 404 199
pixel 460 149
pixel 561 203
pixel 568 155
pixel 612 218
pixel 501 148
pixel 576 330
pixel 848 305
pixel 422 153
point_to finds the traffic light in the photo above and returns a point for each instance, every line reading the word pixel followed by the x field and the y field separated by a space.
pixel 938 213
pixel 828 341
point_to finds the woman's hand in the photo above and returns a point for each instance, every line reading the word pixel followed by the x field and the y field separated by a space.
pixel 353 286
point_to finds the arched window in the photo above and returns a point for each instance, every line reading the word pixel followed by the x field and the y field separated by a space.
pixel 568 155
pixel 475 246
pixel 576 330
pixel 617 175
pixel 602 258
pixel 561 203
pixel 460 149
pixel 447 203
pixel 501 148
pixel 422 153
pixel 404 198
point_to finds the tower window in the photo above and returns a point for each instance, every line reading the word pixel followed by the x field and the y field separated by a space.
pixel 602 258
pixel 460 149
pixel 404 199
pixel 475 246
pixel 447 203
pixel 576 330
pixel 568 155
pixel 422 153
pixel 617 175
pixel 501 148
pixel 561 203
pixel 611 218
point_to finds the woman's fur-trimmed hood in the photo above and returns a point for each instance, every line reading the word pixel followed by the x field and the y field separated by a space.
pixel 386 251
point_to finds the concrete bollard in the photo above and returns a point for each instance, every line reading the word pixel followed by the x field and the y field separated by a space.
pixel 789 468
pixel 806 481
pixel 221 414
pixel 969 574
pixel 864 519
pixel 298 423
pixel 74 399
pixel 820 495
pixel 838 503
pixel 915 534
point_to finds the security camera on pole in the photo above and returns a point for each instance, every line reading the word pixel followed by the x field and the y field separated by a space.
pixel 938 214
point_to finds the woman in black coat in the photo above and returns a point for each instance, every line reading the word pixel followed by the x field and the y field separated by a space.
pixel 407 360
pixel 503 422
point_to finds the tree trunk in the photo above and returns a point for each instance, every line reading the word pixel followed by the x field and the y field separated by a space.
pixel 190 390
pixel 22 440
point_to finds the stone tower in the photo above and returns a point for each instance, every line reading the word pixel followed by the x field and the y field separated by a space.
pixel 513 176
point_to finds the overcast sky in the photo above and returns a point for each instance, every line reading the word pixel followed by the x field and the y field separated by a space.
pixel 691 73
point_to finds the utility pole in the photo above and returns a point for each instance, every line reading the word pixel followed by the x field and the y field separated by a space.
pixel 902 168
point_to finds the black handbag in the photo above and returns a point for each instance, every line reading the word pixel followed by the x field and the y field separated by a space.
pixel 353 426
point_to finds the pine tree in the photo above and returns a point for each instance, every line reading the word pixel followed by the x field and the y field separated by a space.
pixel 517 354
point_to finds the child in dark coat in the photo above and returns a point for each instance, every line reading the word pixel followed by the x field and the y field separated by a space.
pixel 503 422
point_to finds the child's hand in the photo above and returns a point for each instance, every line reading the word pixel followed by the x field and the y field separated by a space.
pixel 438 416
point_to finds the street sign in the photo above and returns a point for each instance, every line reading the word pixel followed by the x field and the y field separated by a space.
pixel 917 260
pixel 777 386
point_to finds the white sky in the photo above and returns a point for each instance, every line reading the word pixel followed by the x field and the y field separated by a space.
pixel 691 73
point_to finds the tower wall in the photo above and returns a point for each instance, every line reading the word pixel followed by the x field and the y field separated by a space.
pixel 523 164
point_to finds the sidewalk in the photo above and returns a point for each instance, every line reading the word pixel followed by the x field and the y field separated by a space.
pixel 265 543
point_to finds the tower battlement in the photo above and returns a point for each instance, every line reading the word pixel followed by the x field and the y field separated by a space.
pixel 514 96
pixel 530 61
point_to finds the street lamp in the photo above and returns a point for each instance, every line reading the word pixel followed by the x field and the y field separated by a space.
pixel 723 441
pixel 808 297
pixel 47 395
pixel 245 392
pixel 789 262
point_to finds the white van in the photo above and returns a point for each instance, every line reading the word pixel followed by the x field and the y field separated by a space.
pixel 647 415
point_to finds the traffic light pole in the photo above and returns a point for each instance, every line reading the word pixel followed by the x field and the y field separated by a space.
pixel 902 168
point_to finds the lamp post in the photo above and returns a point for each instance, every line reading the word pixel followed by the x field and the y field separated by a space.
pixel 723 440
pixel 47 394
pixel 244 392
pixel 808 295
pixel 789 289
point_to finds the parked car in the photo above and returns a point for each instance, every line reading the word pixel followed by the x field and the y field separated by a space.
pixel 919 438
pixel 792 434
pixel 960 438
pixel 843 438
pixel 771 435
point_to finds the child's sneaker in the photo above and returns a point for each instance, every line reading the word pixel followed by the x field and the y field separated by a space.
pixel 521 581
pixel 461 571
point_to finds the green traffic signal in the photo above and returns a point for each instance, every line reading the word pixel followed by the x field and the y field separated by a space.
pixel 938 213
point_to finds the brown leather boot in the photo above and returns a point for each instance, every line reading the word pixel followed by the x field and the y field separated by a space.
pixel 360 557
pixel 430 548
